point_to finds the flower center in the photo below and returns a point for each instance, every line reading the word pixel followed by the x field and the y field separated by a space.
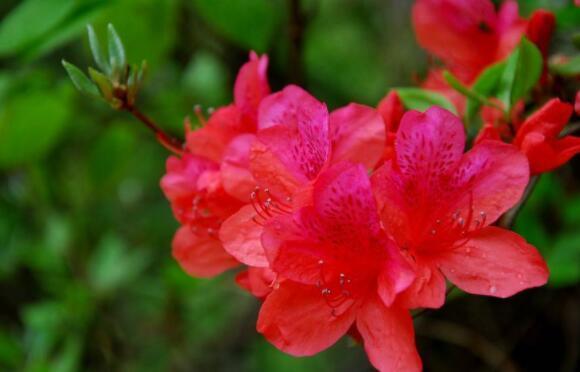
pixel 266 206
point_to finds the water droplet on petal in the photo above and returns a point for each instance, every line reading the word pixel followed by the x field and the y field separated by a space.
pixel 492 289
pixel 468 250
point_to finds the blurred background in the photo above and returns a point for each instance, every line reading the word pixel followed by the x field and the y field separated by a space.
pixel 87 281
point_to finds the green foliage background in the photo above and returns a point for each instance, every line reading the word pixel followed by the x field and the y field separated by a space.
pixel 87 281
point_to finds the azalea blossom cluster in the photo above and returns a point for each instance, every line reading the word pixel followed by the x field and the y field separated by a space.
pixel 344 221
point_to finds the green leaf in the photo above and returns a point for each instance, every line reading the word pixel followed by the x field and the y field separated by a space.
pixel 30 21
pixel 31 123
pixel 96 50
pixel 485 85
pixel 568 69
pixel 421 99
pixel 103 83
pixel 522 71
pixel 80 80
pixel 117 58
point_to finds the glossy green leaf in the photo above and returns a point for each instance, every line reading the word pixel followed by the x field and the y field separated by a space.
pixel 421 99
pixel 485 85
pixel 522 71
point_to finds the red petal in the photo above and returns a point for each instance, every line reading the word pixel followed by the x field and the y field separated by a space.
pixel 427 290
pixel 251 87
pixel 490 178
pixel 547 121
pixel 494 262
pixel 297 320
pixel 389 338
pixel 241 234
pixel 545 156
pixel 180 183
pixel 462 33
pixel 211 140
pixel 391 109
pixel 343 197
pixel 200 256
pixel 235 168
pixel 396 275
pixel 270 172
pixel 257 281
pixel 357 134
pixel 540 29
pixel 297 131
pixel 429 145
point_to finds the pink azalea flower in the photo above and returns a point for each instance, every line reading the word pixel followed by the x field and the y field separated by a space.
pixel 439 205
pixel 211 181
pixel 297 139
pixel 336 269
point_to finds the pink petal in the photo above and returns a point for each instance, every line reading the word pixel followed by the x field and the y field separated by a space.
pixel 357 134
pixel 297 320
pixel 251 86
pixel 429 146
pixel 211 139
pixel 271 173
pixel 494 262
pixel 396 275
pixel 343 198
pixel 256 280
pixel 200 256
pixel 294 125
pixel 548 121
pixel 489 180
pixel 389 338
pixel 181 180
pixel 427 290
pixel 235 168
pixel 240 235
pixel 461 33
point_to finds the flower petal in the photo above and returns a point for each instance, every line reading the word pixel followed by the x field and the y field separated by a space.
pixel 240 235
pixel 200 256
pixel 494 262
pixel 235 168
pixel 389 338
pixel 297 320
pixel 489 180
pixel 344 199
pixel 257 281
pixel 427 290
pixel 251 87
pixel 429 145
pixel 357 134
pixel 462 33
pixel 294 126
pixel 211 139
pixel 548 121
pixel 179 184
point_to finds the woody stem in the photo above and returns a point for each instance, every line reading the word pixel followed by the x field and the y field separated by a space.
pixel 171 143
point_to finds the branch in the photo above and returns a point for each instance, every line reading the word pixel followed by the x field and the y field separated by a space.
pixel 296 24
